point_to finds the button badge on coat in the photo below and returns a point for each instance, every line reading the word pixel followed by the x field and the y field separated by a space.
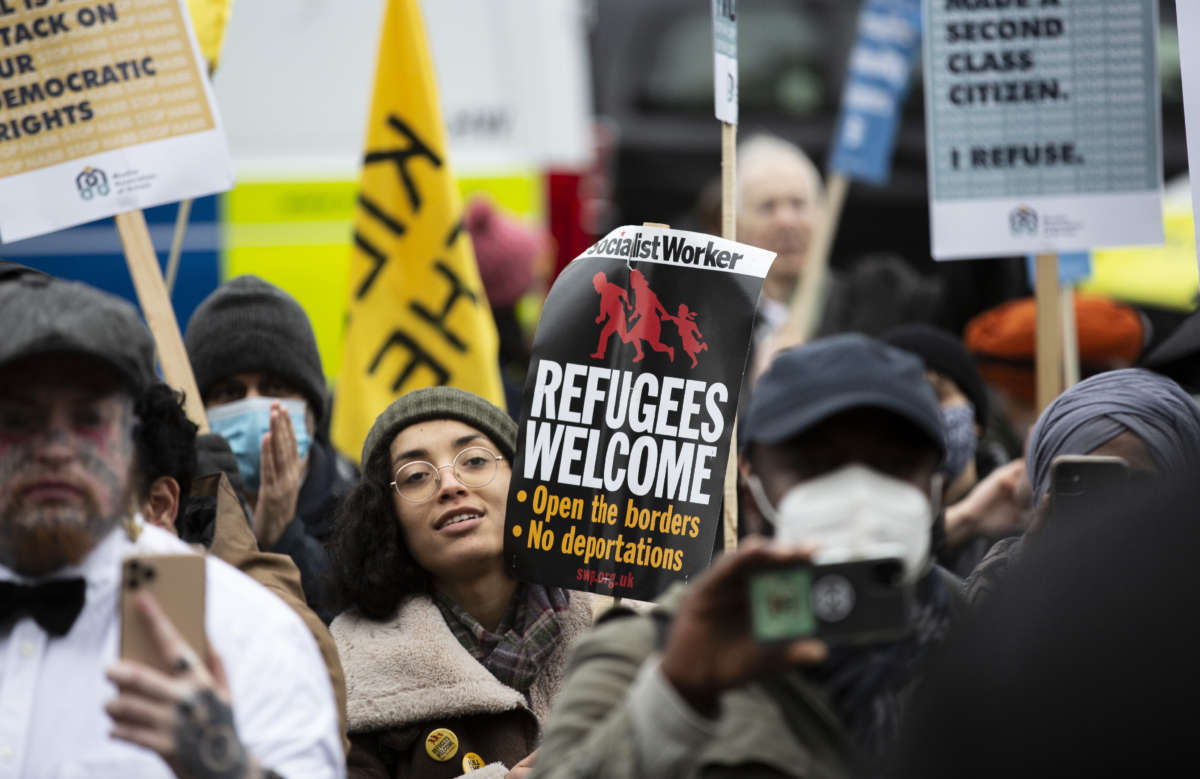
pixel 441 744
pixel 472 762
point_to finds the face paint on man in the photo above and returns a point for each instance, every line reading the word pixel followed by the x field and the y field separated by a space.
pixel 66 456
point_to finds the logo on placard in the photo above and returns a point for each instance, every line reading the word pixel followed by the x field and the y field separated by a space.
pixel 91 182
pixel 640 322
pixel 1023 220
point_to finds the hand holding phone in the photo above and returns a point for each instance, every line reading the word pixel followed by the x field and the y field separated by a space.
pixel 711 647
pixel 177 583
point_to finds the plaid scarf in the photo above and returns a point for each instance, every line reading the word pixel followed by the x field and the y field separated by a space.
pixel 516 651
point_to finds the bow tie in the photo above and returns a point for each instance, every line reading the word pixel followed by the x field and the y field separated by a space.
pixel 54 604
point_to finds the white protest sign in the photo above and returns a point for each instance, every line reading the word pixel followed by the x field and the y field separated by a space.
pixel 1043 125
pixel 725 71
pixel 1187 17
pixel 104 108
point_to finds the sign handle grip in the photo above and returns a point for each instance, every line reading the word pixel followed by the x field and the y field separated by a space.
pixel 156 306
pixel 1049 331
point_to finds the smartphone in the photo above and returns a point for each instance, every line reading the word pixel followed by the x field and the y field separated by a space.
pixel 177 582
pixel 858 602
pixel 1079 483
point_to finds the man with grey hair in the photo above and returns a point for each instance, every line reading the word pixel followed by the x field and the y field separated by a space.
pixel 780 203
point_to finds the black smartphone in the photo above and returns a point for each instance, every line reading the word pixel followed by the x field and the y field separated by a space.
pixel 859 602
pixel 1079 484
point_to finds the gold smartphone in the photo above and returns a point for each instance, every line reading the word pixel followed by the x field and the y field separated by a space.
pixel 177 582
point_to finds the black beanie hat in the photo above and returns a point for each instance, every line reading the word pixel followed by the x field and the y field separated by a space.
pixel 945 354
pixel 248 325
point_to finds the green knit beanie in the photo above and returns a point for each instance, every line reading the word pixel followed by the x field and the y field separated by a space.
pixel 441 403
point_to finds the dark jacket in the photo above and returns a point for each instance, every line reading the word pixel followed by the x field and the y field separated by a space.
pixel 409 676
pixel 330 477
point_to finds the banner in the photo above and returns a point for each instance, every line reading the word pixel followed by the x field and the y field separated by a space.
pixel 628 412
pixel 1187 19
pixel 209 18
pixel 418 315
pixel 1043 125
pixel 104 108
pixel 725 69
pixel 881 63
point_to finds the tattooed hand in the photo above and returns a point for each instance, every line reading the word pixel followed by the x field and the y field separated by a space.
pixel 184 716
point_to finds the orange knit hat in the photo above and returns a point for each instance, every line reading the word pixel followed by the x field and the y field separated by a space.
pixel 1003 340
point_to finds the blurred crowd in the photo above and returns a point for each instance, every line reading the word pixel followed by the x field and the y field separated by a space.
pixel 360 618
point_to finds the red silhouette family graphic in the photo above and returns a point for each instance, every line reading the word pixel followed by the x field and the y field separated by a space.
pixel 645 320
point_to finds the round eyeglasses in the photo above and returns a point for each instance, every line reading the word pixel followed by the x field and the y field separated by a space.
pixel 419 481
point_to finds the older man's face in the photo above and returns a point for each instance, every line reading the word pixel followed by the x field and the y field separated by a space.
pixel 66 458
pixel 779 210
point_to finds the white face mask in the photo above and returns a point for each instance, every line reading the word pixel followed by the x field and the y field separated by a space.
pixel 856 513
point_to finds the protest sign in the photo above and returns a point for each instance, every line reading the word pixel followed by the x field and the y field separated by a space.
pixel 881 63
pixel 725 71
pixel 628 412
pixel 1043 125
pixel 1187 18
pixel 104 108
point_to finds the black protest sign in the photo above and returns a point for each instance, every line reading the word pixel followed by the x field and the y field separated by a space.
pixel 628 412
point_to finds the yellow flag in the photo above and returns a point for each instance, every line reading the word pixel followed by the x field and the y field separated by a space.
pixel 418 316
pixel 209 18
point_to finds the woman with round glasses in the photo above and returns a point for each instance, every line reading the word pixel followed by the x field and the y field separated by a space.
pixel 451 664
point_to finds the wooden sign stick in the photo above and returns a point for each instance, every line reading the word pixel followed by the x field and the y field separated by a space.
pixel 1070 339
pixel 1049 331
pixel 156 307
pixel 729 522
pixel 805 309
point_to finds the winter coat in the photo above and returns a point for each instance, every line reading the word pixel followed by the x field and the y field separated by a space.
pixel 783 728
pixel 409 677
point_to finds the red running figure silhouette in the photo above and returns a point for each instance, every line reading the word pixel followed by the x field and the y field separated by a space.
pixel 689 332
pixel 613 300
pixel 647 325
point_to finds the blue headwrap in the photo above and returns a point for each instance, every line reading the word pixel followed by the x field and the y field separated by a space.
pixel 1097 410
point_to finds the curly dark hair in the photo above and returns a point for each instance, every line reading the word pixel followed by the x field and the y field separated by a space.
pixel 164 438
pixel 372 565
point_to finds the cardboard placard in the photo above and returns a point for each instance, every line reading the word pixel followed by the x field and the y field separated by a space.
pixel 628 412
pixel 104 108
pixel 881 63
pixel 1043 125
pixel 725 70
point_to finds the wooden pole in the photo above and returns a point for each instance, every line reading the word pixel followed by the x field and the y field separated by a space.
pixel 1070 339
pixel 805 309
pixel 729 522
pixel 181 223
pixel 156 307
pixel 1049 331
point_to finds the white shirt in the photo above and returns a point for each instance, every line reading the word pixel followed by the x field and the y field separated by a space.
pixel 53 690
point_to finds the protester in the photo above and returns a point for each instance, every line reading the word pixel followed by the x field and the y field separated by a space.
pixel 254 353
pixel 1144 418
pixel 72 361
pixel 979 510
pixel 512 258
pixel 448 660
pixel 1081 665
pixel 685 690
pixel 876 293
pixel 780 201
pixel 211 516
pixel 1003 339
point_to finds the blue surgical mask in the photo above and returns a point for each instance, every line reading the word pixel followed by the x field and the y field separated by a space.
pixel 959 424
pixel 244 422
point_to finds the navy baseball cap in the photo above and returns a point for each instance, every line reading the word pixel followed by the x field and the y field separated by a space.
pixel 807 385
